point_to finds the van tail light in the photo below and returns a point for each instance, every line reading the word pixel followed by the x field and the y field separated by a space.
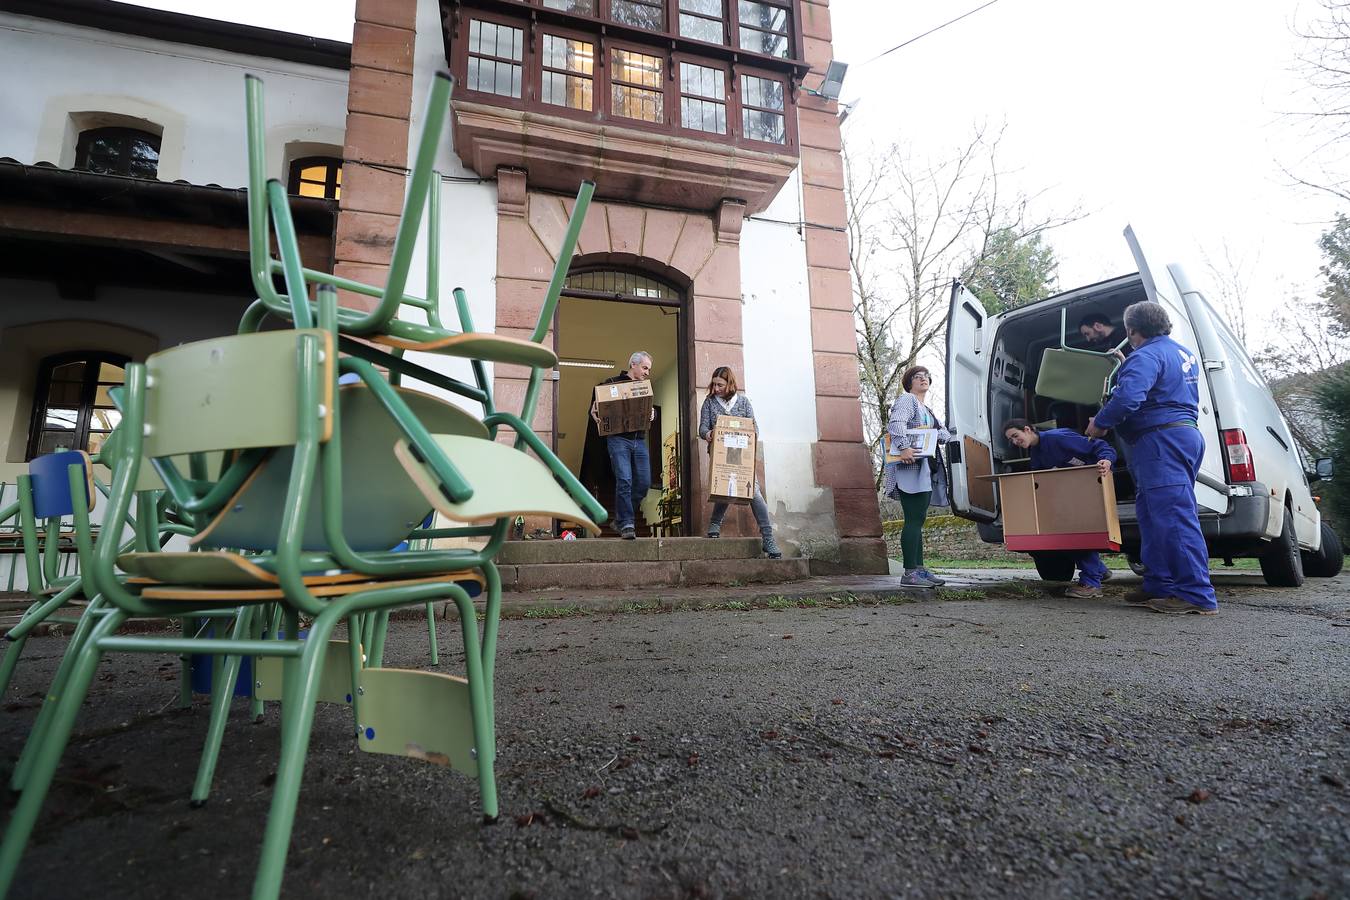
pixel 1241 465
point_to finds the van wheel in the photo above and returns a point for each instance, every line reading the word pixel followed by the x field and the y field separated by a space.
pixel 1053 565
pixel 1327 562
pixel 1282 563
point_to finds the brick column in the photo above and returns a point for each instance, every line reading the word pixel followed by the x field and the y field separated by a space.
pixel 842 462
pixel 379 100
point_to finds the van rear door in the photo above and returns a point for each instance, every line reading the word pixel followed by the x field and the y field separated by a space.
pixel 970 339
pixel 1211 488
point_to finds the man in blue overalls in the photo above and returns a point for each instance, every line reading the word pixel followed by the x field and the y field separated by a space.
pixel 1156 407
pixel 1062 448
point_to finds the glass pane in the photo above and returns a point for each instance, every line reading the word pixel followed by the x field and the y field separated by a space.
pixel 73 371
pixel 764 126
pixel 61 418
pixel 764 42
pixel 104 419
pixel 51 441
pixel 703 81
pixel 762 15
pixel 101 396
pixel 636 68
pixel 639 14
pixel 706 7
pixel 494 77
pixel 584 7
pixel 144 159
pixel 701 29
pixel 475 36
pixel 761 92
pixel 567 90
pixel 703 115
pixel 574 56
pixel 65 393
pixel 634 103
pixel 111 373
pixel 338 174
pixel 315 173
pixel 310 189
pixel 95 442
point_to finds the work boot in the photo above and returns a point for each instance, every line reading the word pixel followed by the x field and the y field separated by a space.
pixel 1177 607
pixel 1083 592
pixel 770 545
pixel 628 533
pixel 714 529
pixel 1138 597
pixel 1107 576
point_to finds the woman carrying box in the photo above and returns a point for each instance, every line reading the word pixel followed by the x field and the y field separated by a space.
pixel 909 477
pixel 725 399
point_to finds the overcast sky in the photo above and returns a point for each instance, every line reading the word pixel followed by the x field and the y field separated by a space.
pixel 1170 115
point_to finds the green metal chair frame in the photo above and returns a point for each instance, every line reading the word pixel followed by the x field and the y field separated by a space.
pixel 1074 374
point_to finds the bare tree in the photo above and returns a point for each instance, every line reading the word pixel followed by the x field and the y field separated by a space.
pixel 914 225
pixel 1232 275
pixel 1325 65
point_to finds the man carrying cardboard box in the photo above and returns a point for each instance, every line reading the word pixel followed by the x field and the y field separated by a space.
pixel 627 449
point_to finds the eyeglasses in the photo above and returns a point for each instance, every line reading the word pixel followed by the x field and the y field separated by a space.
pixel 922 375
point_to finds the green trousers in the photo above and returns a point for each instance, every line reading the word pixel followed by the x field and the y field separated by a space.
pixel 911 536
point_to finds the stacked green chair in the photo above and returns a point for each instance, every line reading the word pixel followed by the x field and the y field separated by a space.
pixel 276 392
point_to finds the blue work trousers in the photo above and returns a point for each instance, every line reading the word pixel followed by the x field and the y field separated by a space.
pixel 1091 570
pixel 632 474
pixel 1172 547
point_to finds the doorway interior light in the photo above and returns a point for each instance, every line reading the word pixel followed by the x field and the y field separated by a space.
pixel 587 363
pixel 833 82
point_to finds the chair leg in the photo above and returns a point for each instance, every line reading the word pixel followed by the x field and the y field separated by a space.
pixel 492 605
pixel 48 756
pixel 91 618
pixel 484 742
pixel 222 695
pixel 431 633
pixel 10 663
pixel 185 672
pixel 354 650
pixel 298 719
pixel 376 652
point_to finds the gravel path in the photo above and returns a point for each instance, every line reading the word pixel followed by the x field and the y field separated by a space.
pixel 1015 745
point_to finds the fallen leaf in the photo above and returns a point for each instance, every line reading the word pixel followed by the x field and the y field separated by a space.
pixel 1199 795
pixel 693 760
pixel 769 735
pixel 590 793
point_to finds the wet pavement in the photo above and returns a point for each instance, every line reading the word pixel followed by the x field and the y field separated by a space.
pixel 988 741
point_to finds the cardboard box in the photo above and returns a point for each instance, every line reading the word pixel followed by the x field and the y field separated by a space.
pixel 624 406
pixel 1058 509
pixel 731 472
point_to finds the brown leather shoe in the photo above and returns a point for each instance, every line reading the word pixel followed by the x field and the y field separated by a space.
pixel 1177 607
pixel 1083 592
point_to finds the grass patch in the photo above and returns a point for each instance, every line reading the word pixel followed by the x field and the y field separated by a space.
pixel 555 612
pixel 779 602
pixel 944 593
pixel 737 605
pixel 642 606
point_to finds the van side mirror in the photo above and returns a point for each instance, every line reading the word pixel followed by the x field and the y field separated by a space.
pixel 1323 469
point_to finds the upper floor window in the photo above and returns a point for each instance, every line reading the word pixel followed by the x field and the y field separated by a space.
pixel 316 176
pixel 118 151
pixel 638 86
pixel 766 26
pixel 568 73
pixel 648 14
pixel 703 98
pixel 702 20
pixel 762 104
pixel 495 53
pixel 72 410
pixel 583 7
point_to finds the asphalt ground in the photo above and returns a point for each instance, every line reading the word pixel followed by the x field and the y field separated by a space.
pixel 995 742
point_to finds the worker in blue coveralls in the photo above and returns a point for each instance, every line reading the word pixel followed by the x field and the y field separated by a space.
pixel 1062 448
pixel 1156 407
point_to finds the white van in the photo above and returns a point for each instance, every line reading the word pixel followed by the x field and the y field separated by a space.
pixel 1253 490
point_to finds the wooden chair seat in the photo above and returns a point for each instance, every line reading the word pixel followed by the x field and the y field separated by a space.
pixel 487 347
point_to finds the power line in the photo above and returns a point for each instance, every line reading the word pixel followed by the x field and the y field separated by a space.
pixel 930 31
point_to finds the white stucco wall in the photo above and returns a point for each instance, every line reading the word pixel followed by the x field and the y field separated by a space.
pixel 194 94
pixel 779 371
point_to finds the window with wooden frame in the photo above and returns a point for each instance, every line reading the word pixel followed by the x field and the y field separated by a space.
pixel 118 151
pixel 496 56
pixel 763 109
pixel 637 88
pixel 72 409
pixel 703 98
pixel 702 20
pixel 581 7
pixel 315 176
pixel 765 26
pixel 568 72
pixel 647 14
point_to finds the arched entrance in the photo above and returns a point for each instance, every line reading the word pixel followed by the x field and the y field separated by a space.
pixel 605 314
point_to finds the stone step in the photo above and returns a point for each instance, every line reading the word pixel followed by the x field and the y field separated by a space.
pixel 582 576
pixel 642 550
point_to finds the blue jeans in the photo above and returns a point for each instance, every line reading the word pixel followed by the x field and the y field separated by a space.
pixel 632 474
pixel 1091 570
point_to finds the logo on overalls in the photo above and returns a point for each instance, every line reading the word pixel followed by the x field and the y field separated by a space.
pixel 1188 362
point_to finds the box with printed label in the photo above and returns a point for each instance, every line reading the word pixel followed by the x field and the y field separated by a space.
pixel 731 474
pixel 623 406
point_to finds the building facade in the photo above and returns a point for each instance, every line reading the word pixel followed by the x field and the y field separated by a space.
pixel 717 236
